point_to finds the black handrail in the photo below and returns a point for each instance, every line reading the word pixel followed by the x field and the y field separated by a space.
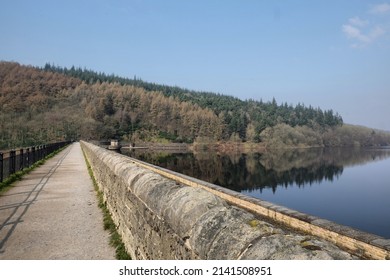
pixel 16 160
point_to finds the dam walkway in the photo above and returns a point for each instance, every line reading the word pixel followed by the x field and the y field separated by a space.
pixel 52 213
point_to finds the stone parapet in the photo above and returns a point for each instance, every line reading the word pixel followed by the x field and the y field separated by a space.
pixel 161 214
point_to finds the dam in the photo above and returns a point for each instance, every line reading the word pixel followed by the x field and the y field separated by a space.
pixel 161 214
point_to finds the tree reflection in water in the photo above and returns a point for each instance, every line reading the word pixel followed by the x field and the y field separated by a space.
pixel 257 171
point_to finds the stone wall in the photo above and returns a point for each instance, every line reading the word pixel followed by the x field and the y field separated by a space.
pixel 161 218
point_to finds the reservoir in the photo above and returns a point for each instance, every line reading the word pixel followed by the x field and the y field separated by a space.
pixel 349 186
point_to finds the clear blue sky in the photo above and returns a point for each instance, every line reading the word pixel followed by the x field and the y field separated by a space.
pixel 331 54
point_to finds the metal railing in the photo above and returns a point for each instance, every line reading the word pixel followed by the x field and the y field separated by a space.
pixel 16 160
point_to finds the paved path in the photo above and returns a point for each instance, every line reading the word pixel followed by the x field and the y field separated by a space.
pixel 53 213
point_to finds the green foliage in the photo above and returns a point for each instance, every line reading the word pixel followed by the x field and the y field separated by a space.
pixel 353 135
pixel 285 136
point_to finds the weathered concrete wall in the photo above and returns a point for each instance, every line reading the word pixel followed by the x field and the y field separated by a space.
pixel 161 218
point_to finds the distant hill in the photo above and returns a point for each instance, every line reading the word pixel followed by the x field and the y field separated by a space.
pixel 40 105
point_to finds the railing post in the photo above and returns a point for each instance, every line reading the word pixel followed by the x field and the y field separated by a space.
pixel 33 156
pixel 28 157
pixel 12 159
pixel 21 162
pixel 38 153
pixel 1 167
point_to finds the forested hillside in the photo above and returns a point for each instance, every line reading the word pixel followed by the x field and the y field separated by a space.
pixel 241 120
pixel 40 105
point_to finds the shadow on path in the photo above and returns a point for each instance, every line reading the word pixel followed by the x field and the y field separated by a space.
pixel 20 208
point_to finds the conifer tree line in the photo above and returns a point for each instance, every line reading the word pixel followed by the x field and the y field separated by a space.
pixel 40 105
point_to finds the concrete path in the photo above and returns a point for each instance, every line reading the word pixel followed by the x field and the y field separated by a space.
pixel 53 213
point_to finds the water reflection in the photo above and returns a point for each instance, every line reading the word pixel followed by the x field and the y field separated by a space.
pixel 332 184
pixel 271 170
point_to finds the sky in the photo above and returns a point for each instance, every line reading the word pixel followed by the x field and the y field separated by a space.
pixel 328 54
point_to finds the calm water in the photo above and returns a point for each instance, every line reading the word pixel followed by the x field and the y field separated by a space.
pixel 347 186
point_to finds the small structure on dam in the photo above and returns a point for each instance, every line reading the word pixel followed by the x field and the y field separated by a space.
pixel 114 145
pixel 161 214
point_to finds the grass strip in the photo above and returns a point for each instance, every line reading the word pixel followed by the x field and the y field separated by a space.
pixel 115 238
